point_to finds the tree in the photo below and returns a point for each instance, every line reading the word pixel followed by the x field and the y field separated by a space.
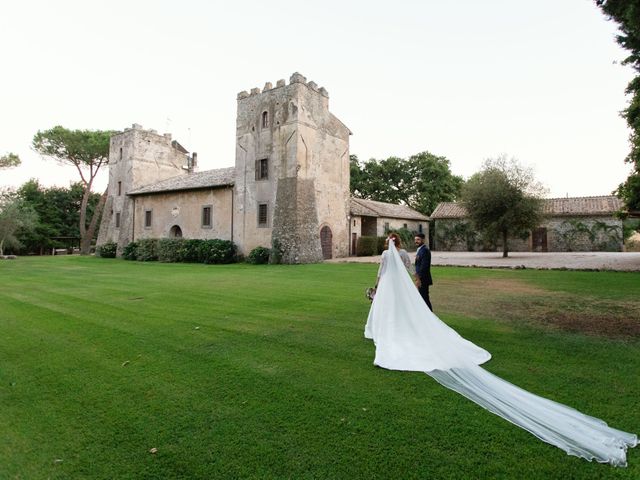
pixel 626 13
pixel 503 199
pixel 58 210
pixel 87 150
pixel 433 182
pixel 421 182
pixel 9 160
pixel 14 215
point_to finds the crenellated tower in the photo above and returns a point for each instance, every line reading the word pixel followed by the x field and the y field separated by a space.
pixel 292 172
pixel 137 157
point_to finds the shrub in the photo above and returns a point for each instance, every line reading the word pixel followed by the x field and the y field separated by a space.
pixel 367 246
pixel 171 250
pixel 107 250
pixel 147 250
pixel 192 251
pixel 380 245
pixel 259 256
pixel 218 251
pixel 130 251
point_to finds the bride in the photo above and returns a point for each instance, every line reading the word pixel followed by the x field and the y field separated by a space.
pixel 408 336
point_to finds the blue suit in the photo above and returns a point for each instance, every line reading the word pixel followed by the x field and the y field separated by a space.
pixel 423 272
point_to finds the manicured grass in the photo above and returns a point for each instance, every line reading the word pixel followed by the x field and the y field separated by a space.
pixel 245 371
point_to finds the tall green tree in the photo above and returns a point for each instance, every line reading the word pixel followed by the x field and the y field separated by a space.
pixel 503 200
pixel 626 13
pixel 14 215
pixel 9 160
pixel 421 181
pixel 58 210
pixel 88 151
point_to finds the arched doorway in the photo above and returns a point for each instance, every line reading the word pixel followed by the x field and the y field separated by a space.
pixel 326 241
pixel 175 232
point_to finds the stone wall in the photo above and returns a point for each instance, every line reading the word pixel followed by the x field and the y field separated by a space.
pixel 302 142
pixel 184 210
pixel 137 158
pixel 584 234
pixel 564 234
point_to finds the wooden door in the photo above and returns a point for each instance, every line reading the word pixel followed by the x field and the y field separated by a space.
pixel 326 240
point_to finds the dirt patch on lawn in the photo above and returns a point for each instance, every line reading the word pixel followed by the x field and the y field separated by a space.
pixel 516 301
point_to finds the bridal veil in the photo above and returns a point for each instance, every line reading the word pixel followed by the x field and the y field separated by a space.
pixel 408 336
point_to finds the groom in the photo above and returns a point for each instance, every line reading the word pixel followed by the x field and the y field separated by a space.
pixel 423 269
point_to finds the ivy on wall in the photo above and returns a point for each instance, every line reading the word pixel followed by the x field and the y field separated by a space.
pixel 599 235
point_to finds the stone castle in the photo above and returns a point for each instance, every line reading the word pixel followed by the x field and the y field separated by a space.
pixel 288 190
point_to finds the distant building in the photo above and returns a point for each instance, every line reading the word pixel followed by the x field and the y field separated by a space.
pixel 289 188
pixel 578 224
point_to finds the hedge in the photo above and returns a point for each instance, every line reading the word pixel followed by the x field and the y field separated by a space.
pixel 107 250
pixel 176 250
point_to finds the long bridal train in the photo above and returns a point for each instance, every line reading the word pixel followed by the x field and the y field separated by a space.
pixel 408 336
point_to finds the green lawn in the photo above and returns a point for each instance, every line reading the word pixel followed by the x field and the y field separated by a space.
pixel 246 371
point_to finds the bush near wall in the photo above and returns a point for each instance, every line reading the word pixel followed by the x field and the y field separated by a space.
pixel 367 246
pixel 147 250
pixel 174 250
pixel 130 251
pixel 218 251
pixel 107 250
pixel 259 256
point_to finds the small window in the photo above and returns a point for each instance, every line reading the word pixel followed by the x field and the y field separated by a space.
pixel 263 218
pixel 119 188
pixel 354 223
pixel 147 218
pixel 265 119
pixel 117 219
pixel 120 153
pixel 404 225
pixel 420 228
pixel 386 227
pixel 262 169
pixel 206 216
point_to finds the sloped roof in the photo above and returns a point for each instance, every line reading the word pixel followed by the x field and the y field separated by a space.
pixel 372 208
pixel 605 205
pixel 219 177
pixel 449 210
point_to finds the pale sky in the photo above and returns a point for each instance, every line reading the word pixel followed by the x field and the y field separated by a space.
pixel 466 79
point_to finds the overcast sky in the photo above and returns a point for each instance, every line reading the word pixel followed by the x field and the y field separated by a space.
pixel 466 79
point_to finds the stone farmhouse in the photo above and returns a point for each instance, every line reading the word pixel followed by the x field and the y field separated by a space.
pixel 578 224
pixel 289 188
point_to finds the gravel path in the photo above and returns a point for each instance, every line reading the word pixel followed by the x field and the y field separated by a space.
pixel 619 261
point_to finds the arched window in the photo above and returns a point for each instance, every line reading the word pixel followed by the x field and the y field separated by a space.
pixel 265 119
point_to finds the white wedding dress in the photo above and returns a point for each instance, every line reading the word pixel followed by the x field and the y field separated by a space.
pixel 408 336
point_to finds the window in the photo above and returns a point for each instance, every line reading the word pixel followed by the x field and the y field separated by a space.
pixel 120 153
pixel 386 227
pixel 147 219
pixel 420 228
pixel 265 119
pixel 262 169
pixel 404 225
pixel 206 216
pixel 119 188
pixel 117 219
pixel 263 219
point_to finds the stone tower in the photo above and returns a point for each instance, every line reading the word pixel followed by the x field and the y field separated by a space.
pixel 137 157
pixel 292 173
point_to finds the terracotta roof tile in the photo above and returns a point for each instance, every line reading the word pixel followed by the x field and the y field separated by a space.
pixel 572 206
pixel 372 208
pixel 220 177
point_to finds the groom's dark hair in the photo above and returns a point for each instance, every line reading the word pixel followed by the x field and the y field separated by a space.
pixel 421 235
